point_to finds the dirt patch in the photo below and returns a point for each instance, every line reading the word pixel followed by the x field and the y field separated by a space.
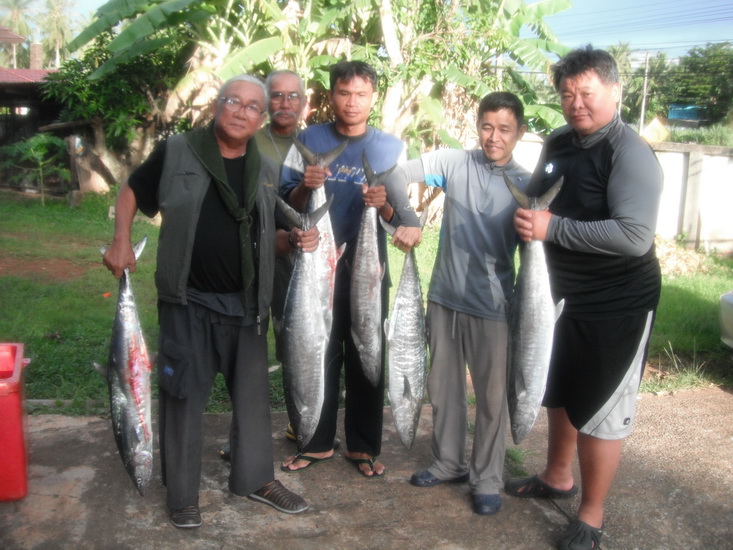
pixel 49 269
pixel 677 261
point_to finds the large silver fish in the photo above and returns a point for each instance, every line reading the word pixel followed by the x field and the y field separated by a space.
pixel 327 254
pixel 304 331
pixel 532 317
pixel 367 272
pixel 406 350
pixel 128 379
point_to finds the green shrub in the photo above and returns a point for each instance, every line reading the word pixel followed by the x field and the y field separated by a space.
pixel 720 135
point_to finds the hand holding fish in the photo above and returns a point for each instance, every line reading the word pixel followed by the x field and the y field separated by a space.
pixel 315 176
pixel 532 224
pixel 405 238
pixel 374 196
pixel 118 256
pixel 307 241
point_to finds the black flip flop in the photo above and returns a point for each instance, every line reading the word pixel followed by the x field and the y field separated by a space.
pixel 370 461
pixel 311 460
pixel 534 487
pixel 581 535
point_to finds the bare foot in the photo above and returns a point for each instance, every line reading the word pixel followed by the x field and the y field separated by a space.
pixel 302 460
pixel 370 465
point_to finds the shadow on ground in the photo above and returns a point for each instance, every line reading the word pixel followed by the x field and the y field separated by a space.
pixel 673 491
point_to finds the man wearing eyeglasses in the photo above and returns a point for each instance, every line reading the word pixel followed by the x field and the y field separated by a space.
pixel 286 104
pixel 216 256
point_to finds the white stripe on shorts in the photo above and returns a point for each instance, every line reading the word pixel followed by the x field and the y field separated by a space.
pixel 615 419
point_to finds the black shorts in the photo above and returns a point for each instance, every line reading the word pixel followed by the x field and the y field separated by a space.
pixel 595 372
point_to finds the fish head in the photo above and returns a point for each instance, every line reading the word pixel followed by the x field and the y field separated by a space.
pixel 406 418
pixel 307 425
pixel 142 470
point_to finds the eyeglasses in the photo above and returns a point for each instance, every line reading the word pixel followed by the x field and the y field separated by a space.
pixel 280 96
pixel 233 105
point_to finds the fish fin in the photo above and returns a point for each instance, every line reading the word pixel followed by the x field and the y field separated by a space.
pixel 308 155
pixel 381 178
pixel 406 389
pixel 139 247
pixel 374 179
pixel 370 174
pixel 293 217
pixel 423 217
pixel 320 159
pixel 518 195
pixel 315 216
pixel 558 308
pixel 357 341
pixel 388 227
pixel 340 251
pixel 544 201
pixel 329 156
pixel 101 369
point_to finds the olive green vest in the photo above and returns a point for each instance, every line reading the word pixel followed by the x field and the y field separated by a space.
pixel 183 185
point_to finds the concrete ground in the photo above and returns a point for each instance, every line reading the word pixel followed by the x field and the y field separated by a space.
pixel 673 491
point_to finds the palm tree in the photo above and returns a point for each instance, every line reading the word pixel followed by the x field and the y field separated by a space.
pixel 56 28
pixel 622 55
pixel 18 20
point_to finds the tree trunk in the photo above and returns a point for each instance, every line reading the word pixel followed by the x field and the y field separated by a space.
pixel 393 97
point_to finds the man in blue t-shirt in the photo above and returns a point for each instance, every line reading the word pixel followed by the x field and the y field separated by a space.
pixel 352 94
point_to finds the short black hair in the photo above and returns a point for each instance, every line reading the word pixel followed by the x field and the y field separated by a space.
pixel 496 101
pixel 346 70
pixel 583 60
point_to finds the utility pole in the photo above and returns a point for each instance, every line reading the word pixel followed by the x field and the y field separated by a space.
pixel 643 94
pixel 621 96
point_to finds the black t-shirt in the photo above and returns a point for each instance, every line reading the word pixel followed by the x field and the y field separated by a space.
pixel 216 257
pixel 590 260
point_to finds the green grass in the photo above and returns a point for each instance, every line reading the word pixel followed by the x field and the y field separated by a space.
pixel 720 135
pixel 53 287
pixel 686 350
pixel 514 462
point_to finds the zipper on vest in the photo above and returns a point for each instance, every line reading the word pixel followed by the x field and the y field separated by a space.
pixel 259 326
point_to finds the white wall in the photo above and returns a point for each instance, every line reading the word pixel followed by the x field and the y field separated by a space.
pixel 697 196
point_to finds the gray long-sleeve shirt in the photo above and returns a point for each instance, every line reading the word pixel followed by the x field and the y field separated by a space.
pixel 600 240
pixel 474 267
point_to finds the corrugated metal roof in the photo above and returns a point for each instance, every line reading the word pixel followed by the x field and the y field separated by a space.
pixel 22 76
pixel 9 37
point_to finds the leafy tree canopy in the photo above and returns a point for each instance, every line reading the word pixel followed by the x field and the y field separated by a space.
pixel 436 58
pixel 704 77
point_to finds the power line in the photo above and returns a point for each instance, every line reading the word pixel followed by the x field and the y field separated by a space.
pixel 587 21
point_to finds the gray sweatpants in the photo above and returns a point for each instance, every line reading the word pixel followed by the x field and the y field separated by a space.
pixel 456 340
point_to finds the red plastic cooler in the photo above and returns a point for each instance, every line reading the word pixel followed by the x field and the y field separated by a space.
pixel 14 455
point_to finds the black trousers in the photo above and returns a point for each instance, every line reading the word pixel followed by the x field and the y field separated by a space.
pixel 364 403
pixel 196 343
